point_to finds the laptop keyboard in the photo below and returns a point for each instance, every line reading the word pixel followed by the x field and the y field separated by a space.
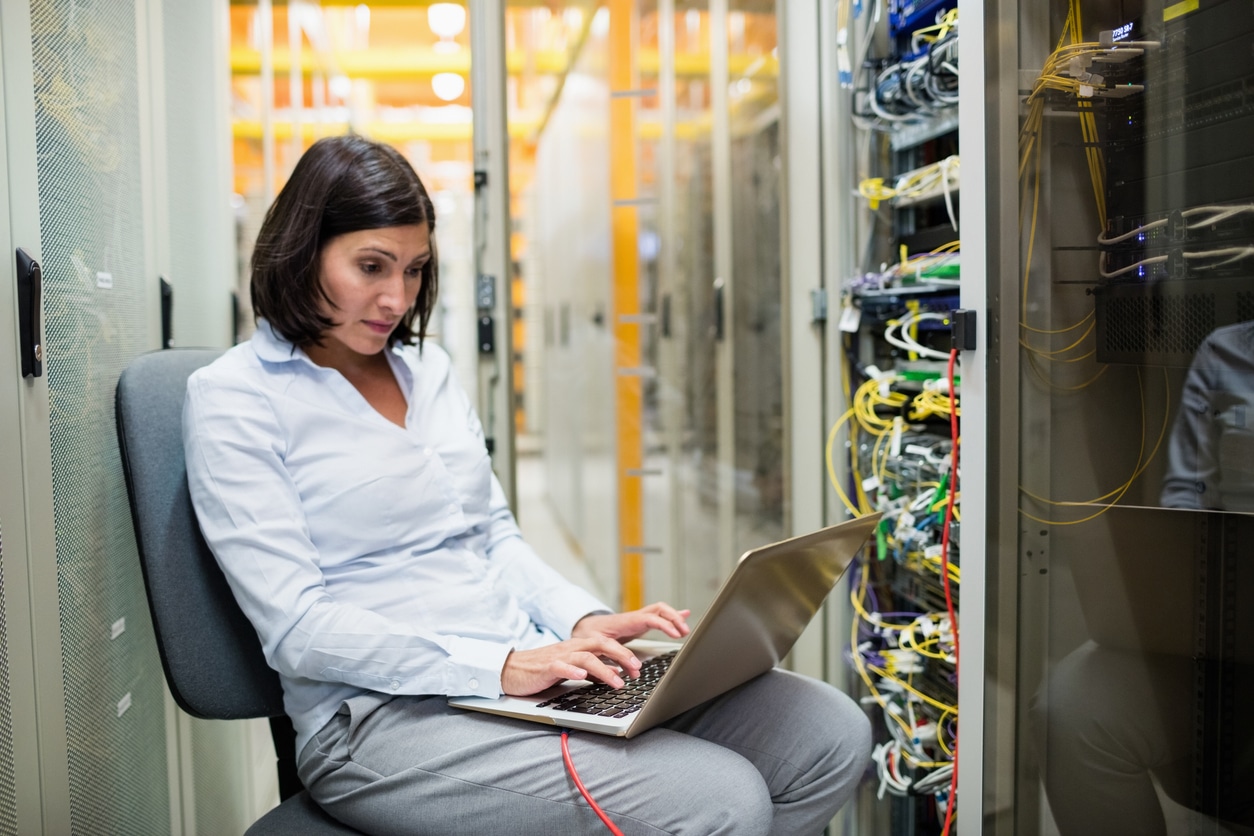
pixel 600 699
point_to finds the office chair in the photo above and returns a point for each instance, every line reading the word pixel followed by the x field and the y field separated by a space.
pixel 209 651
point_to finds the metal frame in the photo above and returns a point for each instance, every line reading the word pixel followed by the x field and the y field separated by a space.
pixel 724 272
pixel 669 354
pixel 43 792
pixel 803 252
pixel 491 233
pixel 13 510
pixel 988 624
pixel 154 161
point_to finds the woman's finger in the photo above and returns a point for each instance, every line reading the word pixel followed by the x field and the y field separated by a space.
pixel 600 671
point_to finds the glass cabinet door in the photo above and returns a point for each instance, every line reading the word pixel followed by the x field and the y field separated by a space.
pixel 1134 369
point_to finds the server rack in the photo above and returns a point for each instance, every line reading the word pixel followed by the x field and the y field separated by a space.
pixel 901 386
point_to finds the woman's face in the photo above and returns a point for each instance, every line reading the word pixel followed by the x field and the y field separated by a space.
pixel 372 276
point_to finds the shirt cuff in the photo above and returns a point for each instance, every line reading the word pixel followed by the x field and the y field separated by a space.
pixel 574 607
pixel 474 667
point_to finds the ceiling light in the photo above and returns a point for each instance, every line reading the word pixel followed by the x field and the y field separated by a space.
pixel 446 19
pixel 448 86
pixel 340 86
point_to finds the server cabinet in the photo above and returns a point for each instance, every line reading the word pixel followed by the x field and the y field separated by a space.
pixel 108 200
pixel 1119 296
pixel 19 807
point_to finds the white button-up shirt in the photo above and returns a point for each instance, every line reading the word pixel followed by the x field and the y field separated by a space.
pixel 368 556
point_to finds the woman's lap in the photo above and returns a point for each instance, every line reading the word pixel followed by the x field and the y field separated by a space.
pixel 414 765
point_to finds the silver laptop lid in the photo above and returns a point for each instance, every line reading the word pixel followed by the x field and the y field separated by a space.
pixel 756 618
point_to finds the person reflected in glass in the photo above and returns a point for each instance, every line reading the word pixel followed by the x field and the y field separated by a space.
pixel 342 481
pixel 1116 726
pixel 1210 460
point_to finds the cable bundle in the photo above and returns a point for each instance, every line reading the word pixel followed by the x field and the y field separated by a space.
pixel 937 179
pixel 917 86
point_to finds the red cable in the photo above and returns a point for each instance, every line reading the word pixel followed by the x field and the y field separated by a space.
pixel 570 767
pixel 949 598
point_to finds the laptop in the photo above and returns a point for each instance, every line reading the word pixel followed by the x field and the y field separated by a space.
pixel 757 616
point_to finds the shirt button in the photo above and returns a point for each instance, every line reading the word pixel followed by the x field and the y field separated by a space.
pixel 396 683
pixel 426 451
pixel 452 509
pixel 474 684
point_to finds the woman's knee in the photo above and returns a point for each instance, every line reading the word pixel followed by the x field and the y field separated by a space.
pixel 835 726
pixel 730 798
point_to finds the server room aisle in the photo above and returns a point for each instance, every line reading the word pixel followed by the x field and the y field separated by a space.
pixel 541 528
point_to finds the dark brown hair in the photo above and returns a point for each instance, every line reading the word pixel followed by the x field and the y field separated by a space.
pixel 341 184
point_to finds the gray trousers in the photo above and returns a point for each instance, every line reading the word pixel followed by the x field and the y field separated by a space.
pixel 778 755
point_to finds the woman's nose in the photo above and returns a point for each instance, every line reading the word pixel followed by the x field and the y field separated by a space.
pixel 392 293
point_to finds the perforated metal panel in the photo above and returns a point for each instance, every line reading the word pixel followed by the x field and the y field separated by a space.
pixel 8 777
pixel 1163 323
pixel 87 96
pixel 1174 324
pixel 1245 306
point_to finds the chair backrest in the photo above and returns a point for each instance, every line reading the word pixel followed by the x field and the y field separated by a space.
pixel 210 652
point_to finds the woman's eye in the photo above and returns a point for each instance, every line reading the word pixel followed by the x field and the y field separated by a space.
pixel 369 267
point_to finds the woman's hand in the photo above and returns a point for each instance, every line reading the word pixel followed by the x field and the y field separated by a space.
pixel 625 626
pixel 583 657
pixel 592 652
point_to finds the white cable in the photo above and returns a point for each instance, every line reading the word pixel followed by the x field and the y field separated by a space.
pixel 938 778
pixel 1217 214
pixel 888 781
pixel 1221 213
pixel 1101 268
pixel 949 201
pixel 873 96
pixel 1102 239
pixel 873 99
pixel 1233 253
pixel 908 343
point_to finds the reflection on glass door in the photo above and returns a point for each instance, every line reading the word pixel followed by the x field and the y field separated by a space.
pixel 719 291
pixel 1136 483
pixel 706 201
pixel 698 472
pixel 756 187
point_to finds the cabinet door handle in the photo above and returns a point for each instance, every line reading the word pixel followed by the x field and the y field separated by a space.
pixel 720 311
pixel 167 314
pixel 29 306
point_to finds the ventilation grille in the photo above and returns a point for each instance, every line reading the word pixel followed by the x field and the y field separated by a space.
pixel 8 775
pixel 95 280
pixel 1157 325
pixel 1245 306
pixel 1164 323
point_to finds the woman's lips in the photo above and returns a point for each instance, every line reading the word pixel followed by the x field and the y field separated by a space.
pixel 380 327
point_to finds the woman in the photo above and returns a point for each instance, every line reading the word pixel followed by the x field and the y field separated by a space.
pixel 340 477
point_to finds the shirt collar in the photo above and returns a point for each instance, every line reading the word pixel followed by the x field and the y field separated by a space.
pixel 271 347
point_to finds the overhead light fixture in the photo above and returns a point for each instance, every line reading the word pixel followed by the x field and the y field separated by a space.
pixel 446 19
pixel 448 86
pixel 340 86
